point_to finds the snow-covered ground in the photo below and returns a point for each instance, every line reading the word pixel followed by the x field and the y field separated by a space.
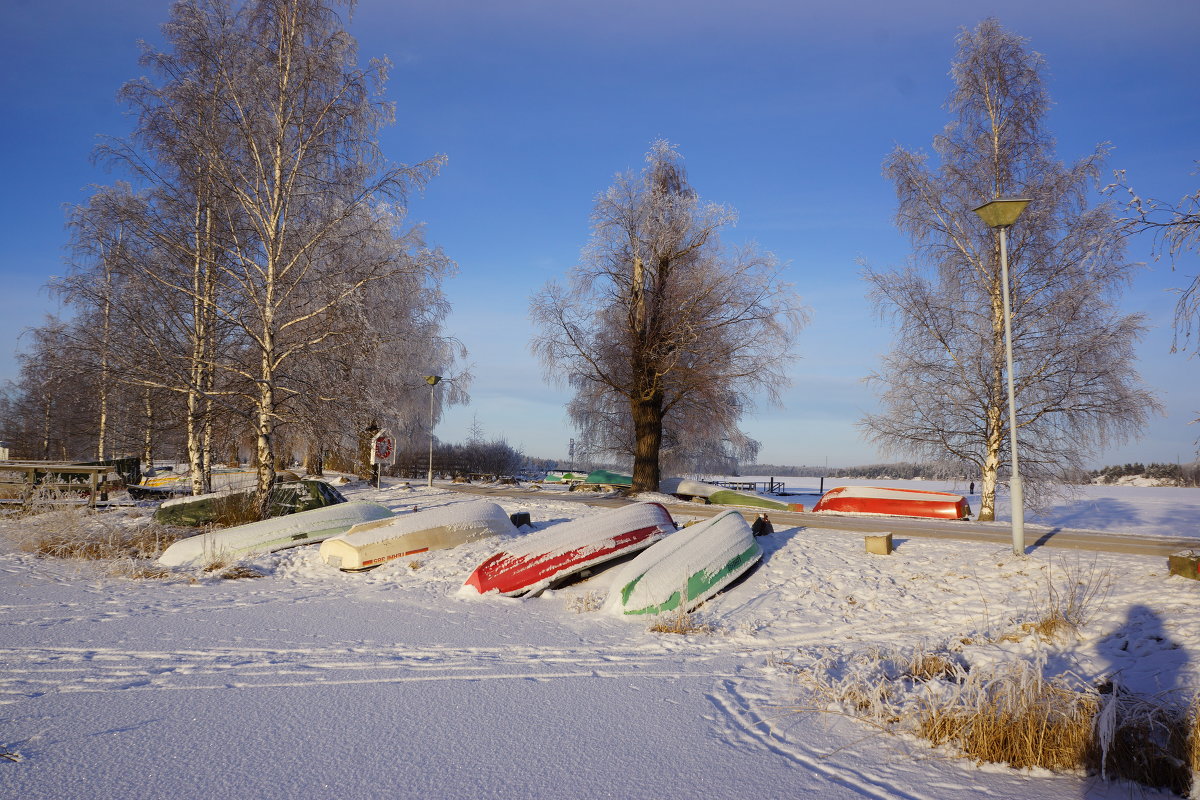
pixel 313 683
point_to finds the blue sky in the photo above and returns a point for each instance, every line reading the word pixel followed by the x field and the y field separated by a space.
pixel 781 110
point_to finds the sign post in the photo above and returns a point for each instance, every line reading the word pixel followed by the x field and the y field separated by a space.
pixel 383 451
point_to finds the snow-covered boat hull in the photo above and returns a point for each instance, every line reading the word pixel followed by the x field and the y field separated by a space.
pixel 370 544
pixel 732 497
pixel 686 487
pixel 269 535
pixel 720 496
pixel 894 502
pixel 541 559
pixel 687 567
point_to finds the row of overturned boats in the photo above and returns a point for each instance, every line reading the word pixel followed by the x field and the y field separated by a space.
pixel 658 565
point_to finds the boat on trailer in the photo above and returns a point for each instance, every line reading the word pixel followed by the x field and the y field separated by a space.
pixel 893 502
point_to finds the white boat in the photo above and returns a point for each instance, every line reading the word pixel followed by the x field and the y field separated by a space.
pixel 269 535
pixel 370 544
pixel 687 567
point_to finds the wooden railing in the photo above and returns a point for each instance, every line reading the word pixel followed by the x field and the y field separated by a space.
pixel 21 480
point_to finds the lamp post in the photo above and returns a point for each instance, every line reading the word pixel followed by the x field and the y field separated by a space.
pixel 1000 214
pixel 432 380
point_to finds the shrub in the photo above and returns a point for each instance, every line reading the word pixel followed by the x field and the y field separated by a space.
pixel 1070 599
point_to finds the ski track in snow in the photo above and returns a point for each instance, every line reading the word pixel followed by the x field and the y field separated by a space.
pixel 32 672
pixel 747 722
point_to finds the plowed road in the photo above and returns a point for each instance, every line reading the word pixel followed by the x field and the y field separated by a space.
pixel 901 527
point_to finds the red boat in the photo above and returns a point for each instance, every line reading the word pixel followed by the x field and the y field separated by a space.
pixel 894 502
pixel 539 560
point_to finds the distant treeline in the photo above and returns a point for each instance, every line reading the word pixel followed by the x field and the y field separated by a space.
pixel 1177 474
pixel 903 470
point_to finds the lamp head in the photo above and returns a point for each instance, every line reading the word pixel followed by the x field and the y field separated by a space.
pixel 1001 212
pixel 433 380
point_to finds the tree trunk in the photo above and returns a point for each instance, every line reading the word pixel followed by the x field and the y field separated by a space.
pixel 148 432
pixel 647 427
pixel 991 465
pixel 994 414
pixel 265 427
pixel 194 446
pixel 102 423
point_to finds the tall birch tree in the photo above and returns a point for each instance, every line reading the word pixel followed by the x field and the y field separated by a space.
pixel 943 390
pixel 264 215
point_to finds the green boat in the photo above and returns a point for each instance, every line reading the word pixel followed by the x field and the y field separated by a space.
pixel 286 498
pixel 687 568
pixel 730 497
pixel 602 477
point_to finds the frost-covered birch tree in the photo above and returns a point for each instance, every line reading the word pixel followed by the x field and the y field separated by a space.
pixel 943 383
pixel 666 336
pixel 1175 228
pixel 263 214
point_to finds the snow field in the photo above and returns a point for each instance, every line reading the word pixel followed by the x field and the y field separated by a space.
pixel 310 682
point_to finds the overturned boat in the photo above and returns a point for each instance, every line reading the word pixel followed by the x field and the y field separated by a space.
pixel 535 562
pixel 160 483
pixel 685 488
pixel 288 497
pixel 893 502
pixel 370 544
pixel 270 535
pixel 687 567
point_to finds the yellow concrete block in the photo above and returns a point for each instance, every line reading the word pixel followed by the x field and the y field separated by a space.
pixel 880 545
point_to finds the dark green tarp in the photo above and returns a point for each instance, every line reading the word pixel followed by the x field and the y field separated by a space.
pixel 286 498
pixel 609 478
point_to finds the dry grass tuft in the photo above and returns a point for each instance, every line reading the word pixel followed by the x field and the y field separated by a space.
pixel 1014 717
pixel 1193 746
pixel 82 533
pixel 138 570
pixel 235 508
pixel 239 571
pixel 415 565
pixel 681 623
pixel 1012 714
pixel 586 603
pixel 928 666
pixel 1072 594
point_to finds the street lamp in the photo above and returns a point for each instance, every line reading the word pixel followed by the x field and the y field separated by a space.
pixel 432 380
pixel 1000 214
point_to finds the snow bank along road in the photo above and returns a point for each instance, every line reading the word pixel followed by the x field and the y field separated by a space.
pixel 991 532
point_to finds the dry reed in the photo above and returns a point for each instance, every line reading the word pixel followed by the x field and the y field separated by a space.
pixel 586 603
pixel 79 533
pixel 1013 716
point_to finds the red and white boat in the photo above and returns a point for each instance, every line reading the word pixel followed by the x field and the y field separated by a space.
pixel 537 561
pixel 894 502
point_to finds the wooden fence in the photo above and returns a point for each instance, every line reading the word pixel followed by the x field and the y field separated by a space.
pixel 21 480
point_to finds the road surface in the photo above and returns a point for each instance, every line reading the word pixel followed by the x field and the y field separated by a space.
pixel 1000 533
